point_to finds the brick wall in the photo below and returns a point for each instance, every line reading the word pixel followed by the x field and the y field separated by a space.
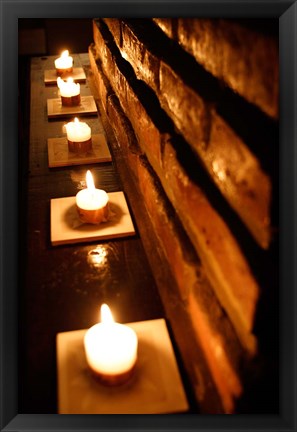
pixel 193 105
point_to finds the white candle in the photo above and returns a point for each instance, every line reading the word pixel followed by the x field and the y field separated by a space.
pixel 78 131
pixel 68 88
pixel 91 198
pixel 92 203
pixel 65 61
pixel 110 347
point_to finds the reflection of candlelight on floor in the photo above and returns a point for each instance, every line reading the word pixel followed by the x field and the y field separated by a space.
pixel 97 256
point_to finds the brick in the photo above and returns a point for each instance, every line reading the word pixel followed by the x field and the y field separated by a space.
pixel 225 265
pixel 145 64
pixel 227 268
pixel 100 45
pixel 175 248
pixel 231 165
pixel 168 26
pixel 229 162
pixel 213 340
pixel 124 133
pixel 227 381
pixel 244 59
pixel 123 130
pixel 101 82
pixel 146 132
pixel 240 177
pixel 115 27
pixel 185 107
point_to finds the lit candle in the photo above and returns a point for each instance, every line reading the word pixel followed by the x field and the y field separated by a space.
pixel 69 91
pixel 78 136
pixel 64 64
pixel 92 203
pixel 111 349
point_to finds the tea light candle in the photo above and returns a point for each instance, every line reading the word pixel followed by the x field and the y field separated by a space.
pixel 68 88
pixel 111 349
pixel 78 136
pixel 69 91
pixel 64 64
pixel 92 203
pixel 78 131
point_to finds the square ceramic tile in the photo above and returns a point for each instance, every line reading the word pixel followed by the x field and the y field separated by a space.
pixel 78 74
pixel 66 227
pixel 86 107
pixel 155 388
pixel 59 155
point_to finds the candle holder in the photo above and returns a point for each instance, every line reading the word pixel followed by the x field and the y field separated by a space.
pixel 59 153
pixel 67 228
pixel 94 217
pixel 69 91
pixel 80 146
pixel 114 380
pixel 87 106
pixel 65 72
pixel 111 350
pixel 154 387
pixel 77 73
pixel 64 64
pixel 70 101
pixel 79 136
pixel 91 203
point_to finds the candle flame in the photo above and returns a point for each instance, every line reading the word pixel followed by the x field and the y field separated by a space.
pixel 90 181
pixel 70 80
pixel 76 120
pixel 106 315
pixel 65 54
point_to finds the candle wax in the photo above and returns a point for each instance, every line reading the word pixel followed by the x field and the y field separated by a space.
pixel 64 62
pixel 91 199
pixel 111 348
pixel 78 131
pixel 68 88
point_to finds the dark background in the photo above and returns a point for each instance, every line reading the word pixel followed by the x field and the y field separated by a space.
pixel 52 36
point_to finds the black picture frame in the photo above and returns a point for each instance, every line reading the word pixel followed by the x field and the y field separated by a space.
pixel 11 11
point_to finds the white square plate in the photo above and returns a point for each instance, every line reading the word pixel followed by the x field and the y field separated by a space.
pixel 78 74
pixel 156 387
pixel 66 227
pixel 59 155
pixel 56 109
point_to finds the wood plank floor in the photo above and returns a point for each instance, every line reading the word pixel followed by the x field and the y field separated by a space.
pixel 62 287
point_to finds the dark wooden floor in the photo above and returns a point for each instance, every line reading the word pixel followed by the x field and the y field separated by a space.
pixel 61 288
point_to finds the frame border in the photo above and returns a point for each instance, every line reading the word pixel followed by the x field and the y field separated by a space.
pixel 10 11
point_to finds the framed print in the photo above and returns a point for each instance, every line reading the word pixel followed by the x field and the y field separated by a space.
pixel 197 101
